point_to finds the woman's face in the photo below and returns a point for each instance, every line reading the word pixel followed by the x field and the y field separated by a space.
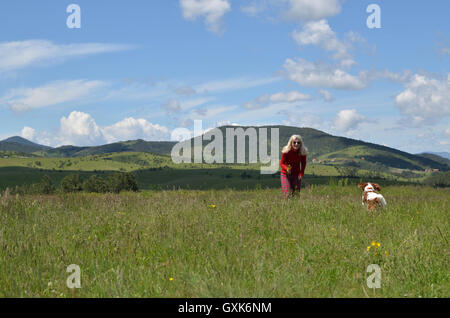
pixel 296 144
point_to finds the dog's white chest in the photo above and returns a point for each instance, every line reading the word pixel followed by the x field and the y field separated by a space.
pixel 370 196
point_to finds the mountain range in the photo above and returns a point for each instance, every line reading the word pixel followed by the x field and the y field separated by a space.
pixel 322 148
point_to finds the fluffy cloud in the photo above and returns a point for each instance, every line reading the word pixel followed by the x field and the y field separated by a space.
pixel 425 100
pixel 280 97
pixel 21 54
pixel 322 75
pixel 307 10
pixel 24 99
pixel 28 133
pixel 212 10
pixel 131 128
pixel 80 129
pixel 347 119
pixel 319 33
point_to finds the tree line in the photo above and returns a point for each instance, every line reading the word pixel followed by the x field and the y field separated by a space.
pixel 72 183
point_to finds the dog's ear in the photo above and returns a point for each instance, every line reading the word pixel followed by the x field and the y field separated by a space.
pixel 362 185
pixel 376 186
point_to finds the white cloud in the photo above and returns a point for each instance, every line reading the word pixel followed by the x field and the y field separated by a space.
pixel 355 37
pixel 233 84
pixel 347 119
pixel 21 54
pixel 290 97
pixel 308 10
pixel 280 97
pixel 320 33
pixel 58 92
pixel 254 8
pixel 402 77
pixel 326 95
pixel 447 131
pixel 80 129
pixel 185 91
pixel 195 102
pixel 28 133
pixel 322 75
pixel 212 10
pixel 425 100
pixel 131 128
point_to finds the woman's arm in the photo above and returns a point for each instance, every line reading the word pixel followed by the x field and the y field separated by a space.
pixel 283 164
pixel 303 166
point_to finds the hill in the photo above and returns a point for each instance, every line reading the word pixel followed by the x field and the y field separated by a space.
pixel 328 149
pixel 443 154
pixel 436 157
pixel 155 147
pixel 323 149
pixel 21 145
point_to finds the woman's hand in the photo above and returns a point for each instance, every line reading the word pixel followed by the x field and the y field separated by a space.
pixel 289 169
pixel 299 178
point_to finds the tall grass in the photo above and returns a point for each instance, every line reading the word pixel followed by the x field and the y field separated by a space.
pixel 225 243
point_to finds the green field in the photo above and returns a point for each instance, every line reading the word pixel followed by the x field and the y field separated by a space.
pixel 252 243
pixel 159 172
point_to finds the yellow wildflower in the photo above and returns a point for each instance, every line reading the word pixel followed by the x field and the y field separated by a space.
pixel 373 243
pixel 386 253
pixel 368 248
pixel 171 279
pixel 378 244
pixel 212 206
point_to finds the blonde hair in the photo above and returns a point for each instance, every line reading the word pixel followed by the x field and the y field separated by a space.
pixel 301 151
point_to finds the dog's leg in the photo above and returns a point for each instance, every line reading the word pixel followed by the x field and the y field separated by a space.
pixel 383 202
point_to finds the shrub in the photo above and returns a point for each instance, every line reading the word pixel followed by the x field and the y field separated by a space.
pixel 95 184
pixel 72 183
pixel 122 182
pixel 46 185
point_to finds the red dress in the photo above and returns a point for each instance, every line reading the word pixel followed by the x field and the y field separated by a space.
pixel 298 165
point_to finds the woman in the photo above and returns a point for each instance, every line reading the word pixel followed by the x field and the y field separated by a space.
pixel 293 164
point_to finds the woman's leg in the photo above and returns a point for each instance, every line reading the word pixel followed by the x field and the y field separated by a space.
pixel 285 185
pixel 299 184
pixel 295 185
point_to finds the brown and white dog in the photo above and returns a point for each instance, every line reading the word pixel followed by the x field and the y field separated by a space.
pixel 370 198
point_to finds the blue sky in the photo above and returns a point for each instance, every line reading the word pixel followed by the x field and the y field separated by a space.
pixel 140 69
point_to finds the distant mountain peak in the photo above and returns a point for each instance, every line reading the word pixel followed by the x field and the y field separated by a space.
pixel 19 140
pixel 442 154
pixel 24 142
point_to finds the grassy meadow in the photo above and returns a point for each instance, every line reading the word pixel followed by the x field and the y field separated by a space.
pixel 155 172
pixel 226 243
